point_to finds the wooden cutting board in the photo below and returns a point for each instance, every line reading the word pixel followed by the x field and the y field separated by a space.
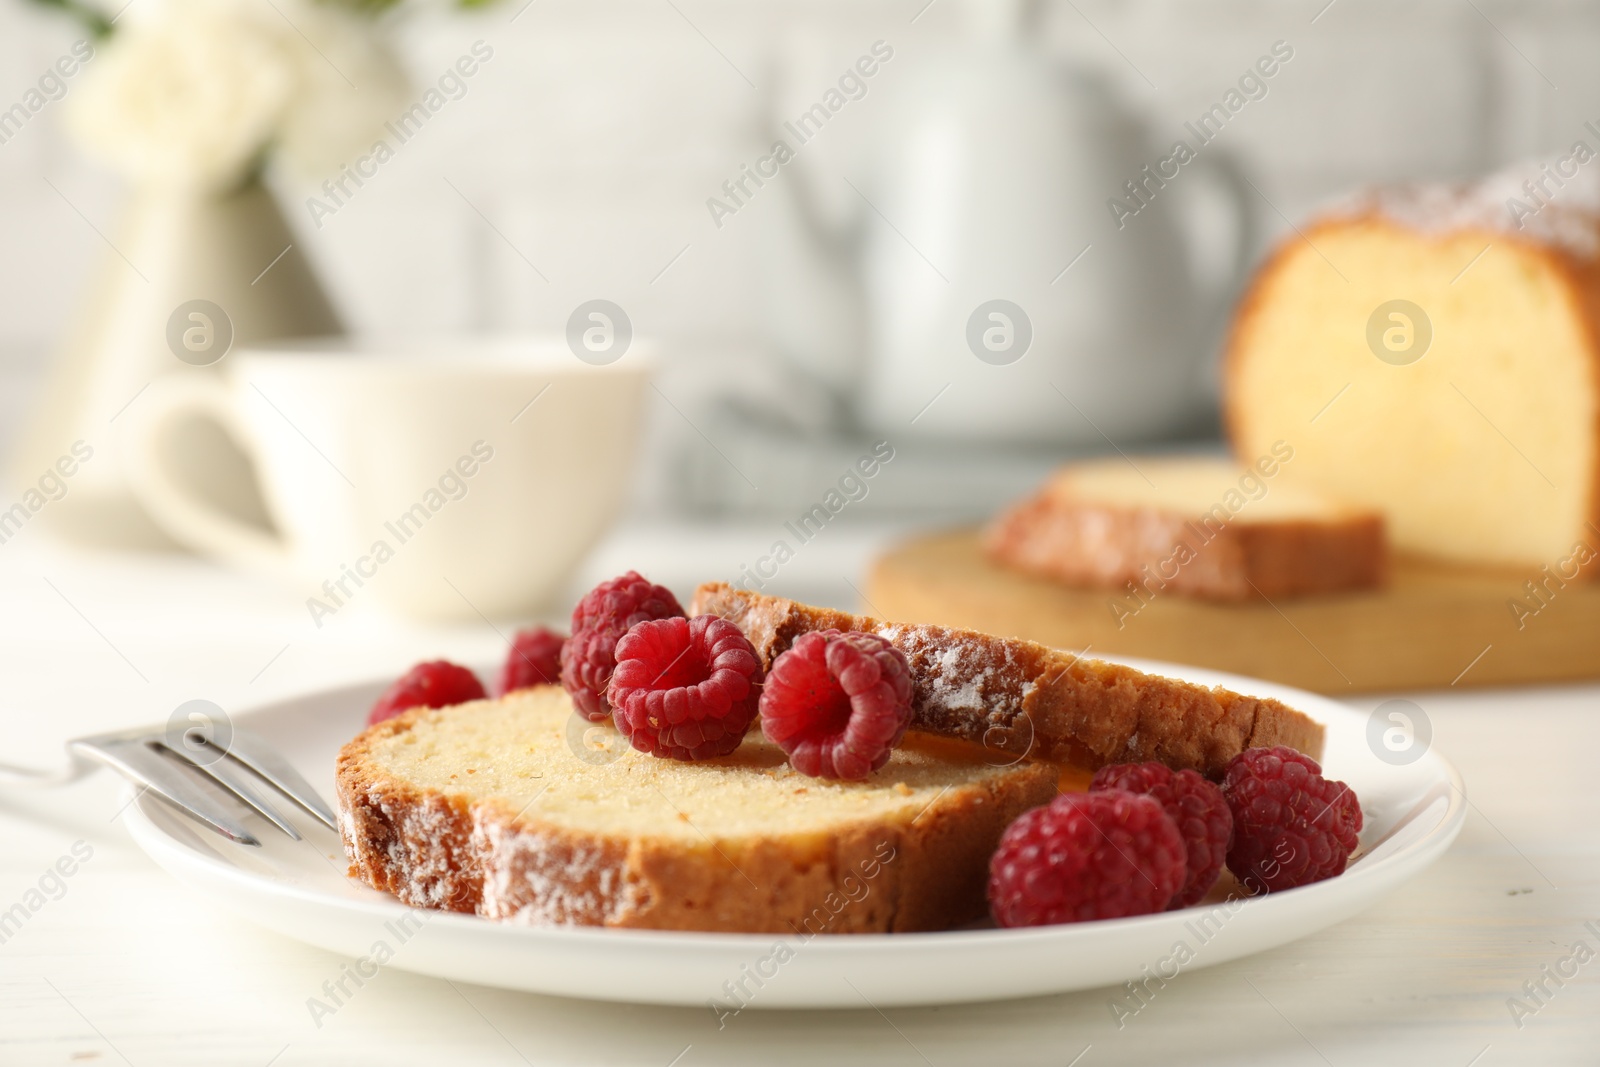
pixel 1434 626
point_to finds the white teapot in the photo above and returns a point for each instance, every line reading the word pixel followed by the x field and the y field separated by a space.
pixel 985 286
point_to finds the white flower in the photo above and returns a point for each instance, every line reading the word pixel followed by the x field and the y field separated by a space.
pixel 348 83
pixel 189 96
pixel 195 92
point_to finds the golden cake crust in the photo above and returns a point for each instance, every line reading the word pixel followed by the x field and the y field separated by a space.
pixel 1024 698
pixel 483 855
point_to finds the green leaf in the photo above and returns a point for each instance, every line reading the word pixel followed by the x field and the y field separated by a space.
pixel 92 18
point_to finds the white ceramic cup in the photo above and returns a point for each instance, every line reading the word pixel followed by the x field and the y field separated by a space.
pixel 443 480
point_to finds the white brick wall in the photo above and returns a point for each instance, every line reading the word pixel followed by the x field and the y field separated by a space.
pixel 593 138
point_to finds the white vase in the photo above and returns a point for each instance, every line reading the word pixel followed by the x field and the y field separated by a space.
pixel 233 249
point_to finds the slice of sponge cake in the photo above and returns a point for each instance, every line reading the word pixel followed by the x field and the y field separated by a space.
pixel 1192 525
pixel 487 807
pixel 1023 698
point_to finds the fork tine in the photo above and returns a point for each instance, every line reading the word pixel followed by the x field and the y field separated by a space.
pixel 228 775
pixel 256 754
pixel 135 759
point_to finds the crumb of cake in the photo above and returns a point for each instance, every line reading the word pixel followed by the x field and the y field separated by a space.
pixel 903 789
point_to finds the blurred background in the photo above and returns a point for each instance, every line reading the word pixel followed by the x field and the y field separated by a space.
pixel 589 156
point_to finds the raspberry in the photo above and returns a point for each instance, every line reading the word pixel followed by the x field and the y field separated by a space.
pixel 438 684
pixel 837 703
pixel 1291 826
pixel 685 688
pixel 534 659
pixel 1086 856
pixel 607 612
pixel 1195 806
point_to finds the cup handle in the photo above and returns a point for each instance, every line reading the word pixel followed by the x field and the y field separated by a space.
pixel 187 516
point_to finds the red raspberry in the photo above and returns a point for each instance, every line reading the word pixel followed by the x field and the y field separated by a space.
pixel 1291 826
pixel 685 688
pixel 598 622
pixel 534 659
pixel 837 703
pixel 1197 808
pixel 438 684
pixel 1086 856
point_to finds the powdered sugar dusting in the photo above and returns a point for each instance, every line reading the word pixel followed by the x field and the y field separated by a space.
pixel 427 847
pixel 1522 200
pixel 960 686
pixel 539 878
pixel 487 864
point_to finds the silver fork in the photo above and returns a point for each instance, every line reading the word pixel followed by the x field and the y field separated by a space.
pixel 194 772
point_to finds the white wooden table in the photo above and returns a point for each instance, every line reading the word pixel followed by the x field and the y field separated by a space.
pixel 119 963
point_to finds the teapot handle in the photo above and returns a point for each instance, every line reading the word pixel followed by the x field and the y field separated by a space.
pixel 1244 202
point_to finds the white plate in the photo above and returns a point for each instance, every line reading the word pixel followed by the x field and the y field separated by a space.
pixel 1412 812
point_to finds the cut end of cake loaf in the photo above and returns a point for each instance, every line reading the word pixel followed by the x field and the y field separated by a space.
pixel 507 809
pixel 1196 526
pixel 1469 416
pixel 1020 697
